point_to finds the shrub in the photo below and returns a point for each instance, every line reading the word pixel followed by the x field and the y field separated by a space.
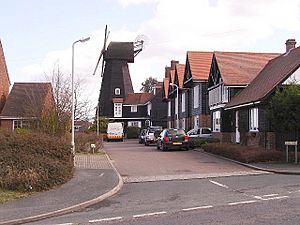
pixel 243 153
pixel 133 132
pixel 83 142
pixel 199 142
pixel 34 161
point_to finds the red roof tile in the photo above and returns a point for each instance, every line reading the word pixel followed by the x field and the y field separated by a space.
pixel 166 87
pixel 273 74
pixel 240 68
pixel 199 63
pixel 180 73
pixel 138 98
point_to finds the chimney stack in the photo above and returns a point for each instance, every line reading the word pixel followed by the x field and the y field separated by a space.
pixel 167 71
pixel 173 64
pixel 290 44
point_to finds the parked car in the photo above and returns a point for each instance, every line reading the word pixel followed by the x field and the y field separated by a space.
pixel 202 132
pixel 142 136
pixel 173 139
pixel 115 131
pixel 152 134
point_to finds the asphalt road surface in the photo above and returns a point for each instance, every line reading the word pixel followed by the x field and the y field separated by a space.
pixel 222 198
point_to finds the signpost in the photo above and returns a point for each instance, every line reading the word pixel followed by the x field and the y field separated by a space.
pixel 291 143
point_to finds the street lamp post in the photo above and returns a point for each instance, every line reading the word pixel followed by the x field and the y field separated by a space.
pixel 73 96
pixel 177 99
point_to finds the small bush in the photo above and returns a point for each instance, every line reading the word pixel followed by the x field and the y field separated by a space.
pixel 243 153
pixel 83 142
pixel 133 132
pixel 34 161
pixel 199 142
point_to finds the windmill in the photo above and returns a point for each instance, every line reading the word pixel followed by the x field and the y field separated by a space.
pixel 116 81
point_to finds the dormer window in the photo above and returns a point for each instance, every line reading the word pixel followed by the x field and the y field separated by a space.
pixel 117 91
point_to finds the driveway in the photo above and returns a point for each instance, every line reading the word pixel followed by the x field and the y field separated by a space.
pixel 138 163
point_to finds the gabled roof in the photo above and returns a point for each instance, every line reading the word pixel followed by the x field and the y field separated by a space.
pixel 166 87
pixel 172 76
pixel 180 74
pixel 273 74
pixel 26 100
pixel 138 98
pixel 240 68
pixel 199 63
pixel 3 67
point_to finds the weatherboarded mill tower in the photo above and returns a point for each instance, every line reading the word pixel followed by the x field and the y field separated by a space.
pixel 116 82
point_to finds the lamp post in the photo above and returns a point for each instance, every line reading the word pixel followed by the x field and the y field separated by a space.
pixel 177 99
pixel 73 95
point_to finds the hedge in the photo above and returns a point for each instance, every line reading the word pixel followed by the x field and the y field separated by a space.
pixel 34 161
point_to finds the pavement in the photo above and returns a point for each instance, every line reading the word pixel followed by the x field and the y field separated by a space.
pixel 95 179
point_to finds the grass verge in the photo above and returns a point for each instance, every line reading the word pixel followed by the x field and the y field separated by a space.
pixel 8 195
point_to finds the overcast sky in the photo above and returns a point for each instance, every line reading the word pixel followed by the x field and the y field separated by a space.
pixel 38 34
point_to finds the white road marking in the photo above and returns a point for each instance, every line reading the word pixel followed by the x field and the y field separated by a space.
pixel 65 224
pixel 219 184
pixel 101 175
pixel 106 219
pixel 199 207
pixel 149 214
pixel 270 195
pixel 275 198
pixel 243 202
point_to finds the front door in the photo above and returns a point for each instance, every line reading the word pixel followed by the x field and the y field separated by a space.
pixel 237 132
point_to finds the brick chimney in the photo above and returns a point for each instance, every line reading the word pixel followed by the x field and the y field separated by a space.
pixel 173 64
pixel 167 71
pixel 290 44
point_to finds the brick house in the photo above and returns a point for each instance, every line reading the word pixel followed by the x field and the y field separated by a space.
pixel 230 73
pixel 249 107
pixel 4 79
pixel 26 104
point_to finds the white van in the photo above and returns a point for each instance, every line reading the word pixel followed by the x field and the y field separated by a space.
pixel 115 131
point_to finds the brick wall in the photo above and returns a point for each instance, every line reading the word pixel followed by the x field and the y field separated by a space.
pixel 7 124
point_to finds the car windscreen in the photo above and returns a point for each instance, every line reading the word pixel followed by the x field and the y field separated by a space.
pixel 176 132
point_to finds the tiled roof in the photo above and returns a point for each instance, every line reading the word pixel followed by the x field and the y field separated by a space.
pixel 273 74
pixel 200 63
pixel 138 98
pixel 240 68
pixel 180 73
pixel 166 87
pixel 3 67
pixel 26 100
pixel 172 75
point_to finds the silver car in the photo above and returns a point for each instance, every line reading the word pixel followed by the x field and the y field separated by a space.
pixel 202 132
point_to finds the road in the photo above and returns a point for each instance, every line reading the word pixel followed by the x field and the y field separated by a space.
pixel 170 192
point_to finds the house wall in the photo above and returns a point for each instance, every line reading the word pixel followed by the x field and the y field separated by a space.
pixel 7 124
pixel 159 110
pixel 141 111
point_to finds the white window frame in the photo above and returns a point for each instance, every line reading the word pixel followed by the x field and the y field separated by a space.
pixel 183 102
pixel 225 91
pixel 134 124
pixel 253 120
pixel 117 109
pixel 149 108
pixel 169 108
pixel 133 108
pixel 196 96
pixel 117 91
pixel 217 121
pixel 196 121
pixel 20 124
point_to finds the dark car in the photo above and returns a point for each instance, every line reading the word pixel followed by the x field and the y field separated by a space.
pixel 173 139
pixel 152 134
pixel 142 136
